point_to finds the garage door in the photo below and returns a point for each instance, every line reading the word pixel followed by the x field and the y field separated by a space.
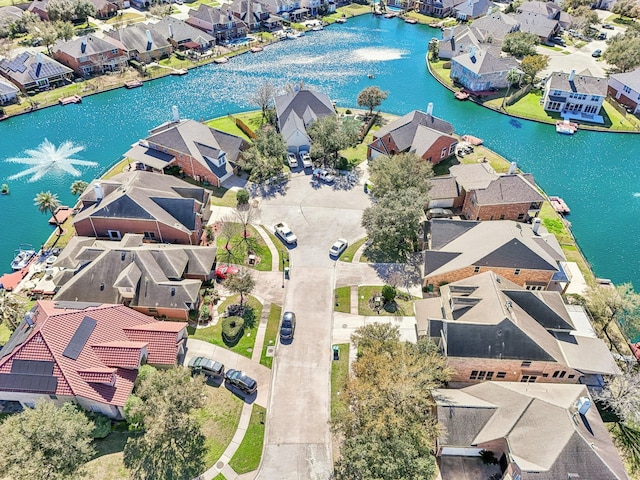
pixel 461 452
pixel 442 203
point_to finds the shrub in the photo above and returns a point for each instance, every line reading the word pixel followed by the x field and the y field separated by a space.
pixel 101 425
pixel 232 328
pixel 242 197
pixel 347 112
pixel 205 313
pixel 389 293
pixel 488 457
pixel 143 372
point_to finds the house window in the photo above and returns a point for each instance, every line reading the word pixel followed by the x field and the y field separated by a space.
pixel 452 149
pixel 53 397
pixel 501 374
pixel 571 376
pixel 521 216
pixel 501 217
pixel 114 51
pixel 443 153
pixel 626 89
pixel 545 375
pixel 528 378
pixel 476 269
pixel 474 375
pixel 525 364
pixel 489 375
pixel 562 374
pixel 533 288
pixel 516 271
pixel 555 374
pixel 149 235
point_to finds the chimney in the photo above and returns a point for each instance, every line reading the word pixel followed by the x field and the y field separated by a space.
pixel 149 41
pixel 430 108
pixel 536 225
pixel 83 45
pixel 583 404
pixel 97 188
pixel 572 75
pixel 170 31
pixel 512 168
pixel 176 115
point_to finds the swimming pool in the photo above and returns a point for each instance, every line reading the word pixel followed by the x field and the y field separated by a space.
pixel 240 41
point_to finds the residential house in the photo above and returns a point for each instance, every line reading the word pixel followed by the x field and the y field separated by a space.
pixel 445 192
pixel 576 96
pixel 491 196
pixel 625 88
pixel 87 353
pixel 471 9
pixel 489 328
pixel 539 25
pixel 312 6
pixel 295 111
pixel 438 8
pixel 156 279
pixel 9 15
pixel 416 132
pixel 205 154
pixel 33 73
pixel 286 9
pixel 536 432
pixel 91 55
pixel 39 7
pixel 143 43
pixel 181 35
pixel 481 69
pixel 104 8
pixel 222 25
pixel 8 92
pixel 550 10
pixel 522 253
pixel 162 208
pixel 251 12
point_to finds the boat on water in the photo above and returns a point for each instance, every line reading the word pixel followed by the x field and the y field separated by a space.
pixel 461 95
pixel 559 205
pixel 71 99
pixel 293 35
pixel 390 15
pixel 23 256
pixel 256 49
pixel 317 28
pixel 566 127
pixel 412 21
pixel 133 84
pixel 341 20
pixel 179 71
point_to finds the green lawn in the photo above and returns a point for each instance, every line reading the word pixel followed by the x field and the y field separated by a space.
pixel 271 334
pixel 228 123
pixel 339 374
pixel 125 19
pixel 442 73
pixel 247 457
pixel 351 250
pixel 5 333
pixel 222 197
pixel 400 307
pixel 283 253
pixel 353 9
pixel 236 250
pixel 213 334
pixel 219 477
pixel 342 297
pixel 107 462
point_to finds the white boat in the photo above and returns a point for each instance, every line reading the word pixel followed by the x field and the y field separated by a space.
pixel 23 256
pixel 293 35
pixel 341 20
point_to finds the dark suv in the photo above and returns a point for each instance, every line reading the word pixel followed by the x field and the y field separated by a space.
pixel 206 366
pixel 241 381
pixel 288 326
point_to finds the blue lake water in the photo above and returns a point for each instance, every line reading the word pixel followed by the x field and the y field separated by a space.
pixel 596 173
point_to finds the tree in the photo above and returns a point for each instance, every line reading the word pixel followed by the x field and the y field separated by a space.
pixel 45 442
pixel 376 337
pixel 621 393
pixel 583 17
pixel 626 8
pixel 160 9
pixel 390 174
pixel 513 77
pixel 392 224
pixel 572 5
pixel 45 30
pixel 78 187
pixel 246 215
pixel 266 157
pixel 329 135
pixel 83 9
pixel 241 283
pixel 227 233
pixel 520 44
pixel 623 51
pixel 389 293
pixel 13 307
pixel 61 10
pixel 532 65
pixel 171 445
pixel 263 98
pixel 434 49
pixel 371 97
pixel 242 197
pixel 65 30
pixel 620 304
pixel 48 202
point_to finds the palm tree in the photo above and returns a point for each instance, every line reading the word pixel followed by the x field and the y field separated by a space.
pixel 48 202
pixel 513 77
pixel 78 187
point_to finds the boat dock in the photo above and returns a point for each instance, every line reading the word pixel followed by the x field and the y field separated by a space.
pixel 559 205
pixel 71 99
pixel 62 213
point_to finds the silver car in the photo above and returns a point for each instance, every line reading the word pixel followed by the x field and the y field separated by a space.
pixel 338 247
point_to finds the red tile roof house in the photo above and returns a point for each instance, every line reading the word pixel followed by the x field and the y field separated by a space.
pixel 417 132
pixel 88 353
pixel 163 208
pixel 91 55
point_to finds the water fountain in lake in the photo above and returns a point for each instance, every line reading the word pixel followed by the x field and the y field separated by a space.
pixel 48 158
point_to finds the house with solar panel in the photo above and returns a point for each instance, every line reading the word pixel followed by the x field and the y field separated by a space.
pixel 35 72
pixel 88 353
pixel 156 279
pixel 91 55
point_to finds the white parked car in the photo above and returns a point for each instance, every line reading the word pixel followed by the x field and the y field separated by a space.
pixel 284 232
pixel 338 247
pixel 324 175
pixel 306 159
pixel 292 160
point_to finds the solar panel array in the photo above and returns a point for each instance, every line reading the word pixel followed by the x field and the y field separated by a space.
pixel 80 337
pixel 18 64
pixel 48 68
pixel 32 367
pixel 28 383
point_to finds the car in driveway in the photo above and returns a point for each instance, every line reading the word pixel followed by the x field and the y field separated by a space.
pixel 439 213
pixel 607 26
pixel 602 36
pixel 206 366
pixel 338 247
pixel 241 381
pixel 223 271
pixel 292 160
pixel 306 159
pixel 323 175
pixel 287 326
pixel 597 53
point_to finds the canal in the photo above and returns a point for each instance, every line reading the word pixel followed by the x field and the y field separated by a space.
pixel 596 173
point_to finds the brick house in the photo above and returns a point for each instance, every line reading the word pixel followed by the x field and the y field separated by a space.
pixel 88 353
pixel 522 253
pixel 205 154
pixel 91 55
pixel 162 280
pixel 625 88
pixel 489 328
pixel 222 25
pixel 541 432
pixel 576 96
pixel 445 193
pixel 182 35
pixel 416 132
pixel 487 31
pixel 162 208
pixel 144 43
pixel 33 73
pixel 104 8
pixel 438 8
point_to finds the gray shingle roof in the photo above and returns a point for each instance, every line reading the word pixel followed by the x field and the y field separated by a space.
pixel 581 83
pixel 134 37
pixel 496 25
pixel 537 24
pixel 182 31
pixel 473 8
pixel 483 61
pixel 92 46
pixel 10 14
pixel 25 68
pixel 443 187
pixel 548 9
pixel 630 79
pixel 473 175
pixel 7 88
pixel 508 189
pixel 306 104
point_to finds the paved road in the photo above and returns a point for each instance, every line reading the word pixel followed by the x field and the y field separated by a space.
pixel 297 439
